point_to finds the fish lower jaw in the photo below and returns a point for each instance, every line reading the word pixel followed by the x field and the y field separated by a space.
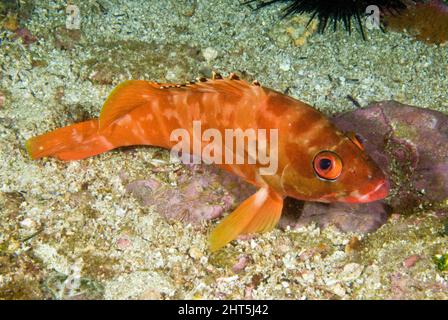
pixel 380 192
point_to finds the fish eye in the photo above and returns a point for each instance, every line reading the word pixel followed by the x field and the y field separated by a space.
pixel 327 165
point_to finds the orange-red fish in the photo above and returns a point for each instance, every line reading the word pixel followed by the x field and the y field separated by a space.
pixel 316 161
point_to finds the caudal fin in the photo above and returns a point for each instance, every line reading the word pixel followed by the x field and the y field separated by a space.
pixel 73 142
pixel 124 109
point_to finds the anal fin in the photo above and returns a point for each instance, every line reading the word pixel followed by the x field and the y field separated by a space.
pixel 258 213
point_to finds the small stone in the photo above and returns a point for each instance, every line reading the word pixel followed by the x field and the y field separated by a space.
pixel 351 272
pixel 373 277
pixel 285 65
pixel 308 276
pixel 248 293
pixel 338 290
pixel 338 256
pixel 2 99
pixel 195 253
pixel 289 261
pixel 171 75
pixel 151 294
pixel 123 243
pixel 410 261
pixel 210 54
pixel 120 212
pixel 27 223
pixel 241 264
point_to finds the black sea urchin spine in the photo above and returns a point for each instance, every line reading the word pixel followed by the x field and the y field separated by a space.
pixel 334 11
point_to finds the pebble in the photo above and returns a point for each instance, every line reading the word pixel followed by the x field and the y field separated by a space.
pixel 210 54
pixel 410 261
pixel 123 243
pixel 241 264
pixel 171 75
pixel 351 272
pixel 195 253
pixel 248 293
pixel 27 223
pixel 285 65
pixel 338 290
pixel 338 256
pixel 308 276
pixel 2 99
pixel 120 212
pixel 289 261
pixel 373 277
pixel 151 294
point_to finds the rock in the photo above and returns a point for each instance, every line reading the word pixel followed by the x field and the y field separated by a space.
pixel 295 30
pixel 347 217
pixel 426 21
pixel 396 136
pixel 202 194
pixel 27 223
pixel 102 76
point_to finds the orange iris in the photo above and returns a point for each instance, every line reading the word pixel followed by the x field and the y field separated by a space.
pixel 327 165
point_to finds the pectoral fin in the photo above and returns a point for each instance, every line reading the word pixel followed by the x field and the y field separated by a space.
pixel 258 213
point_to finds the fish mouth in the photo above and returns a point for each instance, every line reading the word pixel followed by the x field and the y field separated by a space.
pixel 379 192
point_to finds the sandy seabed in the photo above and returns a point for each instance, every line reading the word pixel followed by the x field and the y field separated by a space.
pixel 70 230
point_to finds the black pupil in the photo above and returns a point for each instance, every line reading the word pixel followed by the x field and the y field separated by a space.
pixel 324 164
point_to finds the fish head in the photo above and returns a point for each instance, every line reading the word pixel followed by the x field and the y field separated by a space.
pixel 335 169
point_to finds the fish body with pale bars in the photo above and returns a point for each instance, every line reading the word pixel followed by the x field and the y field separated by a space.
pixel 315 160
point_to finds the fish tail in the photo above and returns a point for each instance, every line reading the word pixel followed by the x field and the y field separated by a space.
pixel 111 130
pixel 73 142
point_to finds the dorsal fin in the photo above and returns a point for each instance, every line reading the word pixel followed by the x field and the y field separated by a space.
pixel 125 97
pixel 132 94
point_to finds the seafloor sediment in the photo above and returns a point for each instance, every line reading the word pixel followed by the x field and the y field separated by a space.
pixel 70 230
